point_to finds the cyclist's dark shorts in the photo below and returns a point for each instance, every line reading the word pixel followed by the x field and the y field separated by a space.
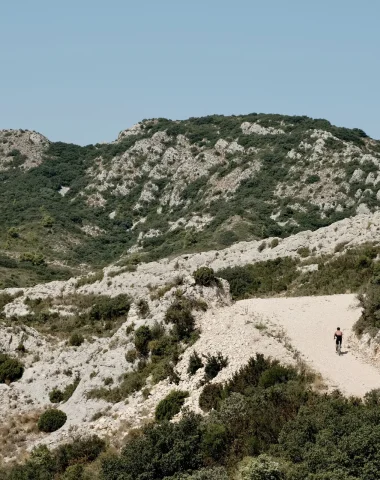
pixel 338 340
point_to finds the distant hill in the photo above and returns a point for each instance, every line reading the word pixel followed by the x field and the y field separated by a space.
pixel 166 187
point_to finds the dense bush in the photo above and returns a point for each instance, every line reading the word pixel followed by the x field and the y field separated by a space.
pixel 214 473
pixel 76 339
pixel 269 277
pixel 143 335
pixel 170 405
pixel 240 425
pixel 179 314
pixel 160 366
pixel 11 369
pixel 211 396
pixel 51 420
pixel 214 364
pixel 336 274
pixel 227 238
pixel 143 307
pixel 261 468
pixel 107 308
pixel 274 243
pixel 195 363
pixel 205 276
pixel 4 299
pixel 276 374
pixel 215 440
pixel 160 452
pixel 81 450
pixel 57 396
pixel 67 462
pixel 277 431
pixel 370 303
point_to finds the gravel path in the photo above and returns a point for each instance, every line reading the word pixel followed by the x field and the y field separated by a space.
pixel 310 323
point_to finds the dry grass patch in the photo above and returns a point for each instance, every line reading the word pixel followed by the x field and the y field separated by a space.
pixel 16 432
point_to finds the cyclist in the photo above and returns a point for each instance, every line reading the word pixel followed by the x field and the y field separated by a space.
pixel 338 336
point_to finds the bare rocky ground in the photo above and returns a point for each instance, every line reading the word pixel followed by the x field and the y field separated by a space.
pixel 290 329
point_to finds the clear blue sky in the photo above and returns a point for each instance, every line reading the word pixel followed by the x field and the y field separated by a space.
pixel 81 71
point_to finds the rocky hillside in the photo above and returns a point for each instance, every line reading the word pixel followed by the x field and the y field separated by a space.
pixel 168 187
pixel 106 349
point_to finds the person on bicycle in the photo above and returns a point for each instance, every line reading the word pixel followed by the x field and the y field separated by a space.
pixel 338 336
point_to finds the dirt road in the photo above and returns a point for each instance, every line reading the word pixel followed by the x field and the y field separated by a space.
pixel 310 323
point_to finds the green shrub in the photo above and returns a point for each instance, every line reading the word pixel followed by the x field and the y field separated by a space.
pixel 80 450
pixel 249 375
pixel 5 298
pixel 205 276
pixel 268 277
pixel 11 369
pixel 47 221
pixel 195 363
pixel 70 389
pixel 262 247
pixel 131 355
pixel 261 468
pixel 312 179
pixel 158 331
pixel 90 279
pixel 51 420
pixel 170 405
pixel 214 364
pixel 369 320
pixel 372 398
pixel 21 348
pixel 276 374
pixel 76 339
pixel 67 462
pixel 227 238
pixel 339 247
pixel 215 441
pixel 110 308
pixel 143 335
pixel 303 252
pixel 13 232
pixel 143 308
pixel 167 450
pixel 36 259
pixel 211 396
pixel 73 472
pixel 214 473
pixel 56 396
pixel 274 243
pixel 179 314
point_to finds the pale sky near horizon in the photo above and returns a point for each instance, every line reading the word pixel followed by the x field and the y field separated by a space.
pixel 81 71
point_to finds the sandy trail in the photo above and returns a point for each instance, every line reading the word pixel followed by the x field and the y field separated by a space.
pixel 310 322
